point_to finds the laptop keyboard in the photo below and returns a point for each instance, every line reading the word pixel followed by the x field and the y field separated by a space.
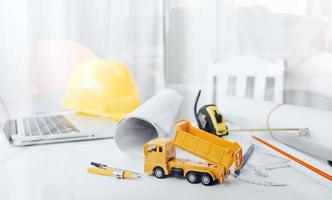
pixel 47 125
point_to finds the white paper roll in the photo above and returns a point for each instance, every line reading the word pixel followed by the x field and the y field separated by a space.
pixel 154 118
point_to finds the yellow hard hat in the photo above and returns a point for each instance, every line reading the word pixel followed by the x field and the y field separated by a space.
pixel 102 87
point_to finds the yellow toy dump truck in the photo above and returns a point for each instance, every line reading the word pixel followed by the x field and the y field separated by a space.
pixel 220 154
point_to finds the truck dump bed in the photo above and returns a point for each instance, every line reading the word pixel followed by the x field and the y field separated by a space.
pixel 207 146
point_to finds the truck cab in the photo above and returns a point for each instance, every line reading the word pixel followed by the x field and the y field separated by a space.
pixel 157 153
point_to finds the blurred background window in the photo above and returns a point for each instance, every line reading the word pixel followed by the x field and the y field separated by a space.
pixel 265 50
pixel 42 41
pixel 250 87
pixel 269 89
pixel 231 90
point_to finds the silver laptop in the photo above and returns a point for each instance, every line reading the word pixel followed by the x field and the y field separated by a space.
pixel 53 128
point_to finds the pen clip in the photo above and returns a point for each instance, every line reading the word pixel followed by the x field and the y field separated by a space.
pixel 99 165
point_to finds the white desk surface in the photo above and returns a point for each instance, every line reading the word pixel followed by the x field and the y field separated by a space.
pixel 58 171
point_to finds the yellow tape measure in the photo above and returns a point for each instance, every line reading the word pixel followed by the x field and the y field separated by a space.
pixel 209 118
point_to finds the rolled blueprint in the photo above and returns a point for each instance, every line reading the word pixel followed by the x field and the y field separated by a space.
pixel 154 118
pixel 248 113
pixel 318 122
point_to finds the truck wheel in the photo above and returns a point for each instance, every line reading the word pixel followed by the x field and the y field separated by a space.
pixel 206 179
pixel 159 172
pixel 193 177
